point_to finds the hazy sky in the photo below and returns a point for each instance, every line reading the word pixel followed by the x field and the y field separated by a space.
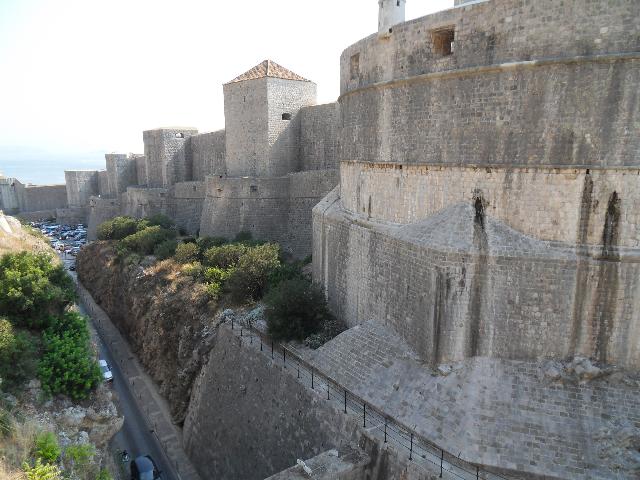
pixel 87 76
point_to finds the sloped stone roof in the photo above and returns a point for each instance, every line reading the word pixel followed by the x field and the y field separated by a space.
pixel 269 68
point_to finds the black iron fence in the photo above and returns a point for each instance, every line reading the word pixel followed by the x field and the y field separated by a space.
pixel 389 430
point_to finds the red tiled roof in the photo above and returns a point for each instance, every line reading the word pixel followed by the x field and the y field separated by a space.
pixel 269 68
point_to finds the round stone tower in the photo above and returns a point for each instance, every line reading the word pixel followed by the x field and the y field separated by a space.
pixel 391 13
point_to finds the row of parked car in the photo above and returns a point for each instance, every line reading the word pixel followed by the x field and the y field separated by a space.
pixel 64 238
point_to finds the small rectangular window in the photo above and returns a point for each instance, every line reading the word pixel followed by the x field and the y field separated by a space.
pixel 354 68
pixel 286 116
pixel 443 41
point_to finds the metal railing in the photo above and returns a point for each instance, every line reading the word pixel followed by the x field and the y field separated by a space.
pixel 389 430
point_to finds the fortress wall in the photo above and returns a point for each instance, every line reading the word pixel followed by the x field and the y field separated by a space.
pixel 305 191
pixel 566 205
pixel 143 202
pixel 451 303
pixel 122 172
pixel 285 96
pixel 168 156
pixel 36 198
pixel 494 32
pixel 10 195
pixel 141 169
pixel 186 209
pixel 556 115
pixel 100 210
pixel 249 419
pixel 103 184
pixel 319 137
pixel 81 184
pixel 256 205
pixel 245 108
pixel 72 216
pixel 208 154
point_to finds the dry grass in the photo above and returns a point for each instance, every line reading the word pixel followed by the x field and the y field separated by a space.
pixel 17 447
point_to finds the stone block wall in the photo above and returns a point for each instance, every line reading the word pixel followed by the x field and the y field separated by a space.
pixel 122 172
pixel 566 205
pixel 246 133
pixel 208 155
pixel 10 192
pixel 81 185
pixel 139 202
pixel 43 197
pixel 100 210
pixel 187 200
pixel 319 137
pixel 141 169
pixel 167 156
pixel 455 287
pixel 285 99
pixel 103 184
pixel 256 205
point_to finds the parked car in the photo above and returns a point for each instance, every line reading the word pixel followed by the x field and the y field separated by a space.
pixel 144 468
pixel 107 376
pixel 72 268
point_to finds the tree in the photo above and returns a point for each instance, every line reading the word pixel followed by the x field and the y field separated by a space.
pixel 249 278
pixel 17 356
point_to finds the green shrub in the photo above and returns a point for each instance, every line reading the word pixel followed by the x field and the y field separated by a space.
pixel 160 220
pixel 285 271
pixel 145 241
pixel 67 365
pixel 249 278
pixel 17 356
pixel 6 423
pixel 206 243
pixel 104 475
pixel 47 447
pixel 117 228
pixel 80 455
pixel 214 290
pixel 194 269
pixel 224 256
pixel 331 327
pixel 42 472
pixel 216 275
pixel 295 309
pixel 187 253
pixel 166 249
pixel 32 287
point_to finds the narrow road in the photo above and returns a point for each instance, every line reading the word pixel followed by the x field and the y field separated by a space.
pixel 134 437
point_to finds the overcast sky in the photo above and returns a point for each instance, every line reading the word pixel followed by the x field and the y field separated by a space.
pixel 87 76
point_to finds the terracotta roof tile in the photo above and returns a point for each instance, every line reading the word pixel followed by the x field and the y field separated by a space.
pixel 269 68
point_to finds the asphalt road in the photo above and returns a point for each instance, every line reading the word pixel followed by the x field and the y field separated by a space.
pixel 134 437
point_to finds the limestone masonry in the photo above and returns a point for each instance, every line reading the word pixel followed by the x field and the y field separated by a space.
pixel 472 203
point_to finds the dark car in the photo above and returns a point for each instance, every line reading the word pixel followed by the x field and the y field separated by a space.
pixel 144 468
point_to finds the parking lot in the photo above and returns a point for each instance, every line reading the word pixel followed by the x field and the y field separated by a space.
pixel 67 240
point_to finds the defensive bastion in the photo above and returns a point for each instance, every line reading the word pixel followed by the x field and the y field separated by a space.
pixel 489 198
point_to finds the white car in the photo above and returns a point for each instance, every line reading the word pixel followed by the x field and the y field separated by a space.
pixel 107 376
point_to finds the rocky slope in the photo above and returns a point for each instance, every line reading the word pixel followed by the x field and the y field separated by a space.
pixel 164 315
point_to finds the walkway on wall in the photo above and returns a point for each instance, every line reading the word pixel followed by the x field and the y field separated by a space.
pixel 388 430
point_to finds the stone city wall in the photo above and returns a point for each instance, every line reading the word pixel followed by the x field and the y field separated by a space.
pixel 81 185
pixel 141 202
pixel 167 156
pixel 103 184
pixel 141 169
pixel 100 210
pixel 35 198
pixel 566 205
pixel 72 216
pixel 187 200
pixel 453 289
pixel 122 172
pixel 246 133
pixel 286 97
pixel 9 195
pixel 256 205
pixel 319 137
pixel 208 155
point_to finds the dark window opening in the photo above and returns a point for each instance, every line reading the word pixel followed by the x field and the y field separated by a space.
pixel 391 30
pixel 398 4
pixel 354 67
pixel 179 135
pixel 443 41
pixel 286 116
pixel 253 188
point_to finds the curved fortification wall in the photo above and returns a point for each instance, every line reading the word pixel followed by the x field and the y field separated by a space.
pixel 100 210
pixel 488 200
pixel 187 200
